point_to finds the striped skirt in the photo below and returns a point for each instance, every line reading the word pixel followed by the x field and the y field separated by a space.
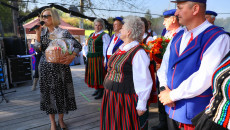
pixel 95 72
pixel 118 112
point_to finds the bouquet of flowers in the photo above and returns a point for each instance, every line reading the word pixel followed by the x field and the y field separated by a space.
pixel 58 47
pixel 156 48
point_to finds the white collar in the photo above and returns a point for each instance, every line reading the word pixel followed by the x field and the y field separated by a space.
pixel 127 47
pixel 119 34
pixel 199 28
pixel 98 32
pixel 178 29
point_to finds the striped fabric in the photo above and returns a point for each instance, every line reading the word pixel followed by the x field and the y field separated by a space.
pixel 119 111
pixel 118 61
pixel 95 72
pixel 219 105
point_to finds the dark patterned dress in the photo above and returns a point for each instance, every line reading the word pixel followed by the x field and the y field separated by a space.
pixel 56 85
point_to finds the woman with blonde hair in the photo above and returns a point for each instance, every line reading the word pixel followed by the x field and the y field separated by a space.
pixel 56 85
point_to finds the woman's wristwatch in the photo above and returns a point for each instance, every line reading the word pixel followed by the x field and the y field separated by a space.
pixel 162 88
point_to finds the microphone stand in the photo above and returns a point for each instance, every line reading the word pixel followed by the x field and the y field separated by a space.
pixel 3 93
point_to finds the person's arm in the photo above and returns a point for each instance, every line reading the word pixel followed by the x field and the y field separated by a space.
pixel 142 79
pixel 200 81
pixel 163 70
pixel 106 40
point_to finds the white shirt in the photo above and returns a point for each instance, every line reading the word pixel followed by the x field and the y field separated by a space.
pixel 85 50
pixel 112 44
pixel 199 81
pixel 141 75
pixel 162 72
pixel 169 34
pixel 154 33
pixel 105 39
pixel 150 38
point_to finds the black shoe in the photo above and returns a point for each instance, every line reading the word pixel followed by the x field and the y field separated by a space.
pixel 59 127
pixel 100 94
pixel 160 126
pixel 95 92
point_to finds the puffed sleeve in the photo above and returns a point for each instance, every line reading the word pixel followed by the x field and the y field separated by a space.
pixel 142 79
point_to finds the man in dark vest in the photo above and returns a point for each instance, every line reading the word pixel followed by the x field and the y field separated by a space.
pixel 187 67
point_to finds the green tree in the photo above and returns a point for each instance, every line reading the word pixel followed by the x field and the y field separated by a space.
pixel 148 15
pixel 6 17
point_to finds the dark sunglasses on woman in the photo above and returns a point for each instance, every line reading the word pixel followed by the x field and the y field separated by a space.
pixel 45 16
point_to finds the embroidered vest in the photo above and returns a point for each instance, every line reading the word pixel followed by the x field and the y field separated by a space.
pixel 183 66
pixel 119 77
pixel 95 45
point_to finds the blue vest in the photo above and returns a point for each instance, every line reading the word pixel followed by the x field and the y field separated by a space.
pixel 183 66
pixel 163 32
pixel 119 42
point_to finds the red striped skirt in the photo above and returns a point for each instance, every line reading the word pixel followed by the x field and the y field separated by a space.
pixel 95 72
pixel 118 112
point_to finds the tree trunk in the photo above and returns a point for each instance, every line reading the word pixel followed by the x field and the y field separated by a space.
pixel 15 16
pixel 82 11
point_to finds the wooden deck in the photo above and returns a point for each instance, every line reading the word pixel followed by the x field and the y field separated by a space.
pixel 23 111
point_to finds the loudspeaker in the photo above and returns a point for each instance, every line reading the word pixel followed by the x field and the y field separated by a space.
pixel 14 46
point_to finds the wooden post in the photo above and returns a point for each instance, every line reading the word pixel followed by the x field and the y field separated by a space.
pixel 15 15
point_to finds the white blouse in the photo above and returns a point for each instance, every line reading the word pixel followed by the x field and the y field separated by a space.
pixel 141 75
pixel 150 38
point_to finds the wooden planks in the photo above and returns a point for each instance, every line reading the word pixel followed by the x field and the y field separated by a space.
pixel 23 111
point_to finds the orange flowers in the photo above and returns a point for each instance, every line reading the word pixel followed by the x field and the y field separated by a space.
pixel 156 48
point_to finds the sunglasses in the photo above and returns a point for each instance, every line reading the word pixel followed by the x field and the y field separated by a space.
pixel 45 16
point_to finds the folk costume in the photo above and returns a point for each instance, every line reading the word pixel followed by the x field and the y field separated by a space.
pixel 152 33
pixel 146 38
pixel 127 85
pixel 114 44
pixel 95 71
pixel 161 108
pixel 187 68
pixel 217 113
